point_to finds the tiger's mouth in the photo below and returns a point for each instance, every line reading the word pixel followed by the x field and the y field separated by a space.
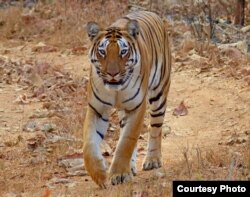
pixel 117 84
pixel 113 82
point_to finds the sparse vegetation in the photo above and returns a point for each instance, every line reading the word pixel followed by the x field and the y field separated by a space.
pixel 43 79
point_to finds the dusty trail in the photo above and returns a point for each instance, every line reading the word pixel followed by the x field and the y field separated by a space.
pixel 217 122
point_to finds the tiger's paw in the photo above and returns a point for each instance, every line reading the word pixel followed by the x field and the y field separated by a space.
pixel 133 168
pixel 100 178
pixel 151 163
pixel 96 168
pixel 120 178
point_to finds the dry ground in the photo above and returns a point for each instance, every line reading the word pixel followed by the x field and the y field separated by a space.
pixel 42 107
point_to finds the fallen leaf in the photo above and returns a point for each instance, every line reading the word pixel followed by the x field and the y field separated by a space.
pixel 245 72
pixel 187 45
pixel 28 19
pixel 47 193
pixel 232 53
pixel 79 50
pixel 21 99
pixel 247 79
pixel 181 110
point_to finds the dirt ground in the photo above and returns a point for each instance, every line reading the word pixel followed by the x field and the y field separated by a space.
pixel 42 108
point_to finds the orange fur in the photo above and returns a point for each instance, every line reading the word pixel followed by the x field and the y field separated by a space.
pixel 143 40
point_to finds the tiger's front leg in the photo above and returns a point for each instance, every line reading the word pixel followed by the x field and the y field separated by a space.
pixel 95 127
pixel 120 169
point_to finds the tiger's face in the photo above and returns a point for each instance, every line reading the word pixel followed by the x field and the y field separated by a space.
pixel 114 53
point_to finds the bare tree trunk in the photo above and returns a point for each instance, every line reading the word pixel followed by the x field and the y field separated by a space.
pixel 239 14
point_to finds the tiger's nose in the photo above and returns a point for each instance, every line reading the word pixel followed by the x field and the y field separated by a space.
pixel 112 74
pixel 113 69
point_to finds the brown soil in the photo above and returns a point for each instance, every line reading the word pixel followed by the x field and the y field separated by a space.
pixel 210 142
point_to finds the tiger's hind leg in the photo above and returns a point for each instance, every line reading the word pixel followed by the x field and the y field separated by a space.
pixel 157 101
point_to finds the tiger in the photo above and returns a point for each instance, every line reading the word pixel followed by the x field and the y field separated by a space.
pixel 130 69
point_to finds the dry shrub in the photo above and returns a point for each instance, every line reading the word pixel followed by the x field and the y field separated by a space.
pixel 60 23
pixel 212 164
pixel 9 21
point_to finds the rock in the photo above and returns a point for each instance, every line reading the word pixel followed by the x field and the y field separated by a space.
pixel 40 114
pixel 159 174
pixel 241 45
pixel 166 131
pixel 73 164
pixel 54 181
pixel 48 127
pixel 245 29
pixel 30 126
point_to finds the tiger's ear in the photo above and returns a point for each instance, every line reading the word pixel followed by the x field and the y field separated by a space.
pixel 133 28
pixel 93 29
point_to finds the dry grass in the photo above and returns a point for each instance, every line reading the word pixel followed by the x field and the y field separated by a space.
pixel 61 23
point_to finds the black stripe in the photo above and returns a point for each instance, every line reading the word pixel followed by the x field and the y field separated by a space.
pixel 138 90
pixel 157 115
pixel 142 37
pixel 98 98
pixel 136 81
pixel 94 47
pixel 157 125
pixel 136 107
pixel 151 100
pixel 156 67
pixel 159 82
pixel 98 114
pixel 149 26
pixel 100 134
pixel 125 82
pixel 93 85
pixel 161 106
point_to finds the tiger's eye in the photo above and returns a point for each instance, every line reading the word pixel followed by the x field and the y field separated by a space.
pixel 102 52
pixel 124 51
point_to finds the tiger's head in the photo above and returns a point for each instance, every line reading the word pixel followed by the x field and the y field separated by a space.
pixel 114 53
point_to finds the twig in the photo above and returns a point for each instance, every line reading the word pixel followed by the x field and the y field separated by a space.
pixel 185 154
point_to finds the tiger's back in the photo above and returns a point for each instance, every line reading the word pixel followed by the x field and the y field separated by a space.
pixel 130 67
pixel 154 39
